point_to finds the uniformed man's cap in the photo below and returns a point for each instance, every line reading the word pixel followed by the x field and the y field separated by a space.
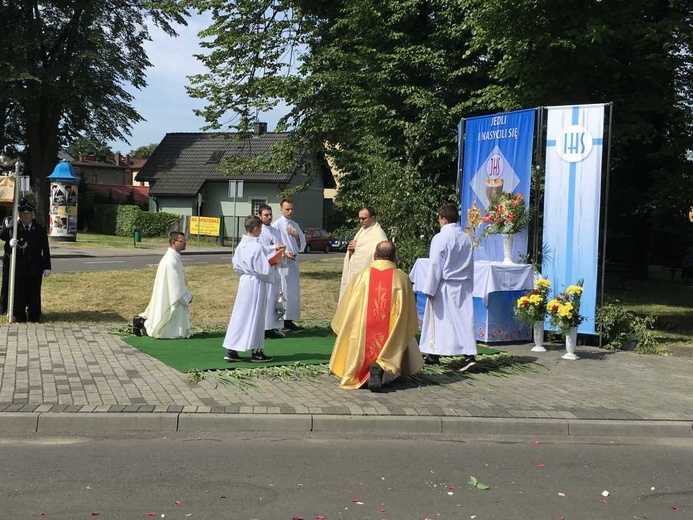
pixel 24 205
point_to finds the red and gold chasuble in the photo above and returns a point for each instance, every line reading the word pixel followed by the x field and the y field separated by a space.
pixel 377 318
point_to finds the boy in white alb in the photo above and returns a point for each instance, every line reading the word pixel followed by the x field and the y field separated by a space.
pixel 246 331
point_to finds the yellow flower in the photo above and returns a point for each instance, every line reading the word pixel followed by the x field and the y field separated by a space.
pixel 522 301
pixel 536 299
pixel 543 283
pixel 553 305
pixel 574 289
pixel 566 310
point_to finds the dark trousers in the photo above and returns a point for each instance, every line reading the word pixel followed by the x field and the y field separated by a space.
pixel 27 294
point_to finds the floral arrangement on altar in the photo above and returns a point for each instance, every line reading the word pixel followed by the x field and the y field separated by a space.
pixel 505 214
pixel 564 309
pixel 532 306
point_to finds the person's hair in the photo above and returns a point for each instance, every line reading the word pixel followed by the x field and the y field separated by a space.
pixel 287 201
pixel 449 212
pixel 369 209
pixel 264 207
pixel 252 222
pixel 385 250
pixel 174 235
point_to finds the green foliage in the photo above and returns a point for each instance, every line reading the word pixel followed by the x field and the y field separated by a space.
pixel 144 151
pixel 621 328
pixel 83 146
pixel 122 220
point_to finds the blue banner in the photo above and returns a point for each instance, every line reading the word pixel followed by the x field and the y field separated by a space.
pixel 497 157
pixel 574 142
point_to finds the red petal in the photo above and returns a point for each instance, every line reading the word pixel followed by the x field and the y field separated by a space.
pixel 540 465
pixel 177 502
pixel 151 513
pixel 537 442
pixel 95 513
pixel 675 508
pixel 222 496
pixel 602 501
pixel 354 500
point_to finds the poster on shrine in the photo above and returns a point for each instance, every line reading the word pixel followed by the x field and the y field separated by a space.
pixel 572 198
pixel 495 157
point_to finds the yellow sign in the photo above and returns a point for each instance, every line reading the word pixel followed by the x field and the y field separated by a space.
pixel 207 226
pixel 6 189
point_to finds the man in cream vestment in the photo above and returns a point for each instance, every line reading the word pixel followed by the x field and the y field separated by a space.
pixel 295 241
pixel 168 314
pixel 361 249
pixel 448 322
pixel 376 326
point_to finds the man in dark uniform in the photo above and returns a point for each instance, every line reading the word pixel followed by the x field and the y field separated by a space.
pixel 33 263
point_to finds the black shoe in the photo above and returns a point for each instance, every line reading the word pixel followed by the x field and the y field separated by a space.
pixel 274 334
pixel 469 362
pixel 138 325
pixel 232 355
pixel 260 357
pixel 290 325
pixel 431 359
pixel 375 381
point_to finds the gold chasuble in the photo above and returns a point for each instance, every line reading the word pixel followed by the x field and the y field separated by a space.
pixel 376 321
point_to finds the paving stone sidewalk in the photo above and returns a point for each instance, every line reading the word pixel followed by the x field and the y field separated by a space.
pixel 81 369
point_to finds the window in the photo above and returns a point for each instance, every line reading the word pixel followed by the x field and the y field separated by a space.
pixel 216 156
pixel 255 205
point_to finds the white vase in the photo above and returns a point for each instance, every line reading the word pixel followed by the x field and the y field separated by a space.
pixel 570 343
pixel 538 329
pixel 507 248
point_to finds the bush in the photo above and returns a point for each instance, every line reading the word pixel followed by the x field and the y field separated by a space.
pixel 621 328
pixel 123 219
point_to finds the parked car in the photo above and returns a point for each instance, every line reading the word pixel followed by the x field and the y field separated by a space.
pixel 339 243
pixel 317 240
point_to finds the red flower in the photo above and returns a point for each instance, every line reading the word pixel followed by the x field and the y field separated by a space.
pixel 510 217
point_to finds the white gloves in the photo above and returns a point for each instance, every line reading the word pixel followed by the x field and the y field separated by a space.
pixel 13 242
pixel 46 272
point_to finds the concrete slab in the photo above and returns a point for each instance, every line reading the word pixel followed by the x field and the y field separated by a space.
pixel 18 423
pixel 376 423
pixel 632 428
pixel 209 422
pixel 504 426
pixel 109 423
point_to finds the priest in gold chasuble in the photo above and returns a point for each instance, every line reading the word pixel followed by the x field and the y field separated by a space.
pixel 376 326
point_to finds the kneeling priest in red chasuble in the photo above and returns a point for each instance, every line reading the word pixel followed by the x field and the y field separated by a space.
pixel 376 326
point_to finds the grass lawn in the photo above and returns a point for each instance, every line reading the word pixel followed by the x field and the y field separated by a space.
pixel 114 242
pixel 116 296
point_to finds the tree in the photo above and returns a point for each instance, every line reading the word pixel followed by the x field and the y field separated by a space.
pixel 379 86
pixel 84 146
pixel 65 68
pixel 144 151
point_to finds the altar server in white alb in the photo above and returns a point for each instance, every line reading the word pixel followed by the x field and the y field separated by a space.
pixel 295 241
pixel 271 241
pixel 168 314
pixel 247 324
pixel 448 322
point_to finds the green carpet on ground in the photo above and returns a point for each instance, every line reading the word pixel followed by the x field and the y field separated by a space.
pixel 204 351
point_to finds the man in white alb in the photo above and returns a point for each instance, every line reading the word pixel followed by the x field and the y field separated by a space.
pixel 448 322
pixel 168 314
pixel 361 249
pixel 295 241
pixel 271 241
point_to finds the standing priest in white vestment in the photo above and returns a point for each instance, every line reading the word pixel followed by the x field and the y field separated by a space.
pixel 168 314
pixel 295 241
pixel 247 323
pixel 361 249
pixel 271 241
pixel 448 322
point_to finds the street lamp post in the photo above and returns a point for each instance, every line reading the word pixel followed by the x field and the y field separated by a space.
pixel 4 162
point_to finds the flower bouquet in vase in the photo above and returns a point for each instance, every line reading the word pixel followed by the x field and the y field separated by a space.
pixel 564 314
pixel 506 215
pixel 531 308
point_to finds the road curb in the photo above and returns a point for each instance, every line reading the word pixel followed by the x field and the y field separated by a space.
pixel 130 254
pixel 85 424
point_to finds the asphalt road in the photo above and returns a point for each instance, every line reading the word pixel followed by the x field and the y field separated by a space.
pixel 282 477
pixel 72 264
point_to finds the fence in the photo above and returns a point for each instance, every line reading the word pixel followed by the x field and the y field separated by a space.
pixel 231 229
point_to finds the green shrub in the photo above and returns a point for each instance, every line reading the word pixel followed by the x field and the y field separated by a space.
pixel 123 219
pixel 621 328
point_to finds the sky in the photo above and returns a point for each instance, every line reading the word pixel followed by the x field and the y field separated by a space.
pixel 164 103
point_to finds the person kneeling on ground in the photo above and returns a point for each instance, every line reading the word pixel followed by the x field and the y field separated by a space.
pixel 376 326
pixel 246 329
pixel 168 314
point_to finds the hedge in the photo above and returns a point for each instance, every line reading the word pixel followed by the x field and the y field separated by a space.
pixel 123 219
